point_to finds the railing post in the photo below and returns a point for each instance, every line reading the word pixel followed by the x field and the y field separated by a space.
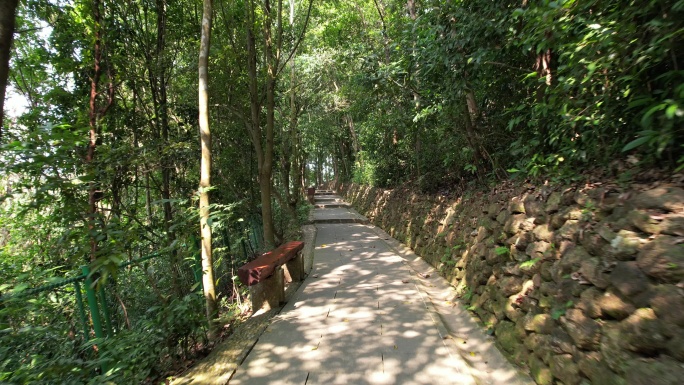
pixel 105 311
pixel 92 303
pixel 81 311
pixel 94 310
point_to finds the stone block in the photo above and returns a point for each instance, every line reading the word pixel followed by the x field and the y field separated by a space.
pixel 533 207
pixel 516 206
pixel 270 292
pixel 675 346
pixel 564 368
pixel 588 302
pixel 543 233
pixel 553 202
pixel 612 348
pixel 507 336
pixel 673 225
pixel 539 323
pixel 642 221
pixel 294 269
pixel 592 271
pixel 628 279
pixel 642 332
pixel 569 230
pixel 661 371
pixel 592 366
pixel 663 259
pixel 661 198
pixel 537 249
pixel 612 305
pixel 493 210
pixel 583 330
pixel 668 303
pixel 541 373
pixel 511 285
pixel 513 223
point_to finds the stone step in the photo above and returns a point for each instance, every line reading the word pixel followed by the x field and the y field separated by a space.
pixel 332 206
pixel 362 221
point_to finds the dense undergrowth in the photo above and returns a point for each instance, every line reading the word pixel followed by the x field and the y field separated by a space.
pixel 158 326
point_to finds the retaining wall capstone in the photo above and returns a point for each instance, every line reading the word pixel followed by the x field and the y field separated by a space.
pixel 578 285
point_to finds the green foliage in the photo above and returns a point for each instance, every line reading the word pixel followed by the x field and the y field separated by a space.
pixel 557 86
pixel 560 311
pixel 529 264
pixel 502 250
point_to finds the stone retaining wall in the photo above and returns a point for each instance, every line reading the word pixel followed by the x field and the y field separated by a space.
pixel 581 286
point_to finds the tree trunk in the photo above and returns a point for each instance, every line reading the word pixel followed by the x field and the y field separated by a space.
pixel 8 9
pixel 92 122
pixel 293 137
pixel 163 113
pixel 205 172
pixel 266 171
pixel 471 135
pixel 264 154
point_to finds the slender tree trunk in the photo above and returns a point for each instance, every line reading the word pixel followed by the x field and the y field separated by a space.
pixel 163 112
pixel 205 171
pixel 471 135
pixel 8 9
pixel 263 154
pixel 92 122
pixel 148 198
pixel 266 171
pixel 293 137
pixel 158 85
pixel 418 145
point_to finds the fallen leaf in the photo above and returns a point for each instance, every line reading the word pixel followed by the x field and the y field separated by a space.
pixel 395 347
pixel 405 281
pixel 472 354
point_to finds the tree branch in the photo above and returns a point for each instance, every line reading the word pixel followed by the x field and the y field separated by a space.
pixel 299 40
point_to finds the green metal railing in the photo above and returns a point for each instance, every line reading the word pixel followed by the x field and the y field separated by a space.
pixel 96 299
pixel 92 315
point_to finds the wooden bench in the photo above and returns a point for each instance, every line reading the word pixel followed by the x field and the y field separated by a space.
pixel 266 276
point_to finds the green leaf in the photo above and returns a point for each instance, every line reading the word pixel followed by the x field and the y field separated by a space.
pixel 671 111
pixel 636 143
pixel 646 119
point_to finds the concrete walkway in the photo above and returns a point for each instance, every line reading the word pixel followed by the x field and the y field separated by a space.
pixel 366 315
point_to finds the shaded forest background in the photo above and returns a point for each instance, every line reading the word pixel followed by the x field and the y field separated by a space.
pixel 101 165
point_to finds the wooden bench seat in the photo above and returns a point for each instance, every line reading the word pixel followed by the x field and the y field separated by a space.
pixel 266 276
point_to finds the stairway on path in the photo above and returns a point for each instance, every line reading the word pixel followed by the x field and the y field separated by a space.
pixel 329 208
pixel 366 316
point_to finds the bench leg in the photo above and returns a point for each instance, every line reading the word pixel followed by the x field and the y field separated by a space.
pixel 269 293
pixel 295 269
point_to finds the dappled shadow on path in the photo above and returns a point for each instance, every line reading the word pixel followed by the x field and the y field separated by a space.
pixel 359 319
